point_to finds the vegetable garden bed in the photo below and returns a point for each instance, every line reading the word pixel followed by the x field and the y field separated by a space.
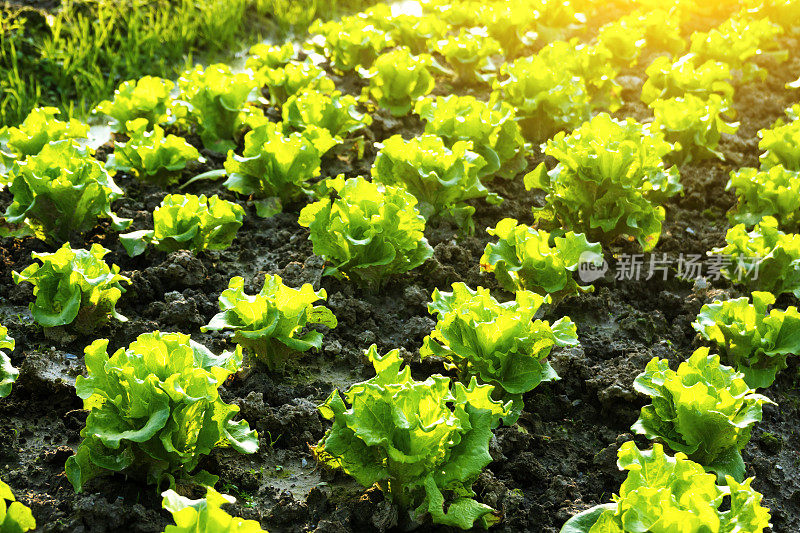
pixel 560 457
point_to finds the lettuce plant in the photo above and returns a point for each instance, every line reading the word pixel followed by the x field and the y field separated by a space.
pixel 609 181
pixel 216 98
pixel 738 42
pixel 467 53
pixel 39 128
pixel 147 98
pixel 265 56
pixel 705 410
pixel 694 125
pixel 334 112
pixel 8 373
pixel 152 156
pixel 410 30
pixel 687 75
pixel 269 324
pixel 368 233
pixel 205 515
pixel 760 193
pixel 764 259
pixel 750 337
pixel 349 43
pixel 294 77
pixel 500 344
pixel 548 98
pixel 442 179
pixel 513 25
pixel 492 130
pixel 524 259
pixel 423 443
pixel 60 192
pixel 779 145
pixel 593 65
pixel 155 410
pixel 624 41
pixel 188 222
pixel 15 517
pixel 663 494
pixel 398 79
pixel 272 166
pixel 74 287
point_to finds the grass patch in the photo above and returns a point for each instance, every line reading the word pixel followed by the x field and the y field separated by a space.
pixel 76 56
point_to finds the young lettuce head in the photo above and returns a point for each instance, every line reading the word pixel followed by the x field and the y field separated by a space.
pixel 155 410
pixel 664 494
pixel 269 323
pixel 500 344
pixel 423 443
pixel 75 288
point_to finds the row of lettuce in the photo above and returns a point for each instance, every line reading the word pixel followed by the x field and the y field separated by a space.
pixel 155 406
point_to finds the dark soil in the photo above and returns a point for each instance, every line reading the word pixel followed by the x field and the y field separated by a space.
pixel 559 459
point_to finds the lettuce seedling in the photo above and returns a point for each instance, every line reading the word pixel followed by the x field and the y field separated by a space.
pixel 442 179
pixel 609 181
pixel 14 516
pixel 293 78
pixel 467 53
pixel 8 373
pixel 492 130
pixel 524 259
pixel 152 156
pixel 738 42
pixel 764 259
pixel 687 75
pixel 664 494
pixel 216 98
pixel 155 410
pixel 349 43
pixel 188 222
pixel 205 515
pixel 74 287
pixel 398 79
pixel 694 125
pixel 60 192
pixel 760 193
pixel 423 443
pixel 368 233
pixel 265 56
pixel 39 128
pixel 500 344
pixel 147 98
pixel 750 337
pixel 273 166
pixel 705 410
pixel 269 324
pixel 334 112
pixel 779 145
pixel 548 98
